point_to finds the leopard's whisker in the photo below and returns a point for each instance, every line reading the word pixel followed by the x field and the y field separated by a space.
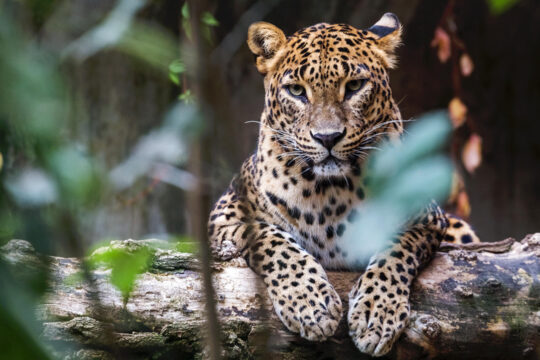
pixel 369 148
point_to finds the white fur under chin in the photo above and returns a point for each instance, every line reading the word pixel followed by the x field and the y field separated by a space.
pixel 330 168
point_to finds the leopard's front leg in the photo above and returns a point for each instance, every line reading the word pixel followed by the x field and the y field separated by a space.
pixel 298 286
pixel 379 301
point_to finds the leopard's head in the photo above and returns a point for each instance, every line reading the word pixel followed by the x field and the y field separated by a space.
pixel 328 97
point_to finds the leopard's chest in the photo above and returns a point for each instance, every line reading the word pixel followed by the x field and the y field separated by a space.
pixel 318 213
pixel 319 224
pixel 322 233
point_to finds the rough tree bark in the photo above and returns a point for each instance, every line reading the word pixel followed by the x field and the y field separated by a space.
pixel 471 302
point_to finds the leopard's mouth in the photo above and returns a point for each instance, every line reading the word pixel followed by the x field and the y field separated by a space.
pixel 330 159
pixel 330 166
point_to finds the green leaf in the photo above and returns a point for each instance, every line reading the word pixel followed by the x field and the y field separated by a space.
pixel 209 19
pixel 422 181
pixel 177 67
pixel 498 7
pixel 125 266
pixel 175 79
pixel 426 136
pixel 186 244
pixel 187 97
pixel 403 179
pixel 186 25
pixel 185 11
pixel 206 32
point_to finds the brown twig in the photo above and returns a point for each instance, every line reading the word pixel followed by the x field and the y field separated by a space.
pixel 198 200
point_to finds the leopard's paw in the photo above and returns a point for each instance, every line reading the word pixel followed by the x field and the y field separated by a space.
pixel 311 308
pixel 377 318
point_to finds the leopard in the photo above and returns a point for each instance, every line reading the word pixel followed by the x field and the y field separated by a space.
pixel 327 103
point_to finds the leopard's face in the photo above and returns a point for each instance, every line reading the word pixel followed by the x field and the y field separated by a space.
pixel 328 98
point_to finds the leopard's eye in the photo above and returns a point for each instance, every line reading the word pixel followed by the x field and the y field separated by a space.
pixel 353 86
pixel 296 90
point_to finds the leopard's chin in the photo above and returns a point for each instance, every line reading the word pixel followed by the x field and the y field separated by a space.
pixel 330 167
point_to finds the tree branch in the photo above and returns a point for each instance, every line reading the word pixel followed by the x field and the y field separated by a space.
pixel 470 302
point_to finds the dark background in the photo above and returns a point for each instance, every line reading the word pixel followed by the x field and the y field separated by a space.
pixel 121 100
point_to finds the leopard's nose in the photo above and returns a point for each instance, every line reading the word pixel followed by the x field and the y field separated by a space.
pixel 328 140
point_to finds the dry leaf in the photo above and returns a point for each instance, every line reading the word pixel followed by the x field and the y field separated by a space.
pixel 466 65
pixel 463 208
pixel 457 111
pixel 472 153
pixel 459 200
pixel 441 40
pixel 457 186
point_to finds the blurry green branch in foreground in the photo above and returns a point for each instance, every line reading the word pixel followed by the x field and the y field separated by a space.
pixel 121 31
pixel 46 181
pixel 49 183
pixel 402 180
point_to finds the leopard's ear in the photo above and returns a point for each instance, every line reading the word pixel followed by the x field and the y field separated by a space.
pixel 265 41
pixel 387 32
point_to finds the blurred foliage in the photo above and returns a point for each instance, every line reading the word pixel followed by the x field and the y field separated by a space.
pixel 403 179
pixel 185 244
pixel 40 10
pixel 108 33
pixel 19 333
pixel 149 44
pixel 500 6
pixel 187 96
pixel 49 183
pixel 45 181
pixel 120 31
pixel 44 167
pixel 168 144
pixel 23 279
pixel 186 25
pixel 207 21
pixel 31 106
pixel 176 68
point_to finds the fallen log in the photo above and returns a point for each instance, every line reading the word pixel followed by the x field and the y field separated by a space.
pixel 477 301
